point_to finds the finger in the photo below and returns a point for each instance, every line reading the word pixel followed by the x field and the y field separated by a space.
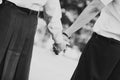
pixel 64 50
pixel 55 49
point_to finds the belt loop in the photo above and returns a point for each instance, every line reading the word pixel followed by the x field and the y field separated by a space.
pixel 95 34
pixel 38 14
pixel 3 1
pixel 30 12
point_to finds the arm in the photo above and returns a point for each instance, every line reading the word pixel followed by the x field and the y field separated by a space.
pixel 87 15
pixel 53 16
pixel 52 10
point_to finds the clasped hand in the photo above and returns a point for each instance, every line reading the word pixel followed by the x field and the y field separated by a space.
pixel 62 46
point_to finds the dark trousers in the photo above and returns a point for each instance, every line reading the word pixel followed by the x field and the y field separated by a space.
pixel 17 30
pixel 100 60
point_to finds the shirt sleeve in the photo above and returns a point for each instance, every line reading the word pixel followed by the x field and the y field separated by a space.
pixel 53 15
pixel 0 1
pixel 106 2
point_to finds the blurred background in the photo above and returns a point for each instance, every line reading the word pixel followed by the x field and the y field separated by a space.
pixel 45 64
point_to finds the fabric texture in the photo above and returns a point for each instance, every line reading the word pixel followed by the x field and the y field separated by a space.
pixel 106 2
pixel 17 30
pixel 100 60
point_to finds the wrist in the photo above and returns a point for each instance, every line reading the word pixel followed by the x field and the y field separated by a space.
pixel 58 38
pixel 66 35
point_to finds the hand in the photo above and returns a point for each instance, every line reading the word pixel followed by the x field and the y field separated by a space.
pixel 58 47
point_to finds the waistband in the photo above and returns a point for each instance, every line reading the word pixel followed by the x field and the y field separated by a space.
pixel 28 11
pixel 110 40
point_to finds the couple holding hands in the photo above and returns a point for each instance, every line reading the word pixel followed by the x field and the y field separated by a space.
pixel 100 60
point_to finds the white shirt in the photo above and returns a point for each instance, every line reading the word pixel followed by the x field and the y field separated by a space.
pixel 52 10
pixel 108 24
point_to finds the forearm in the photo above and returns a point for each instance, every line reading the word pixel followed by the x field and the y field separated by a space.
pixel 55 29
pixel 52 16
pixel 87 15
